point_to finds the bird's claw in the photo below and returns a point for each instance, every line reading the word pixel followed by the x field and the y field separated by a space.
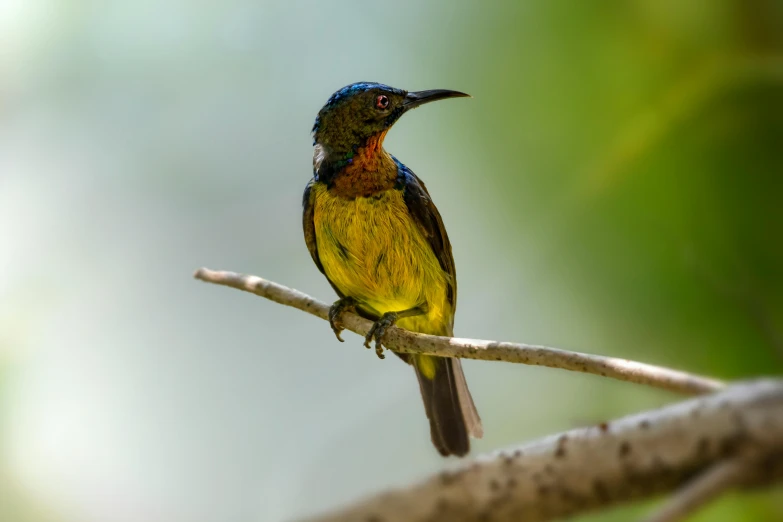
pixel 336 312
pixel 377 332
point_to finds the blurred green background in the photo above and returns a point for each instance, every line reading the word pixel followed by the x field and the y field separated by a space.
pixel 614 186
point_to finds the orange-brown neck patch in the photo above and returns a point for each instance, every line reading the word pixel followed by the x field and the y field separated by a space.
pixel 371 170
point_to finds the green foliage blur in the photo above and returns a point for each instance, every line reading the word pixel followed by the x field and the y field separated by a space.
pixel 614 186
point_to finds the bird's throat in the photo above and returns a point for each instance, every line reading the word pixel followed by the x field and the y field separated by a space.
pixel 363 172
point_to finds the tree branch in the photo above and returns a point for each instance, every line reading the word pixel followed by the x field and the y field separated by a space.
pixel 730 438
pixel 404 341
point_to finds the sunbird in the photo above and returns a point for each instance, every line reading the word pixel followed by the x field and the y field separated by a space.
pixel 372 229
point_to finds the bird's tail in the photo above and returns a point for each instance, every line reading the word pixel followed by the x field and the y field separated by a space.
pixel 453 416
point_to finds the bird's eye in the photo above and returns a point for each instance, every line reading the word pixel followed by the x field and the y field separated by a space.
pixel 382 102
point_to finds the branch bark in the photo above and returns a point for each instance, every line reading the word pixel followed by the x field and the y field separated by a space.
pixel 404 341
pixel 733 438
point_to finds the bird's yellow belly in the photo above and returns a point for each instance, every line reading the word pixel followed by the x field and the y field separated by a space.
pixel 373 251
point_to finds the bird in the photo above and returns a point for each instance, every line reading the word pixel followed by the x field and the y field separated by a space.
pixel 373 230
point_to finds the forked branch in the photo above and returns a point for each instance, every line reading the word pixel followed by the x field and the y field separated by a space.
pixel 698 448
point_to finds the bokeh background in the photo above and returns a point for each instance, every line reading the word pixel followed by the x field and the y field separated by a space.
pixel 614 186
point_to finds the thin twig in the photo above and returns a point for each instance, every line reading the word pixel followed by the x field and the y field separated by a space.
pixel 705 487
pixel 636 457
pixel 404 341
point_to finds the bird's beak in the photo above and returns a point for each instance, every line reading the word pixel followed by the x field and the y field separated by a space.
pixel 414 99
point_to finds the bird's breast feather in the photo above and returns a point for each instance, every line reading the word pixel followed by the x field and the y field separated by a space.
pixel 373 250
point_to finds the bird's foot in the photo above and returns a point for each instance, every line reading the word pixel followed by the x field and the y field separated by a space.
pixel 378 330
pixel 346 304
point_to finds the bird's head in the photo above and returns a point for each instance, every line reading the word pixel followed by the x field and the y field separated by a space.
pixel 363 112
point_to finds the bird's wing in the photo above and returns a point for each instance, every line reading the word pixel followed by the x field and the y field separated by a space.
pixel 308 225
pixel 427 217
pixel 449 388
